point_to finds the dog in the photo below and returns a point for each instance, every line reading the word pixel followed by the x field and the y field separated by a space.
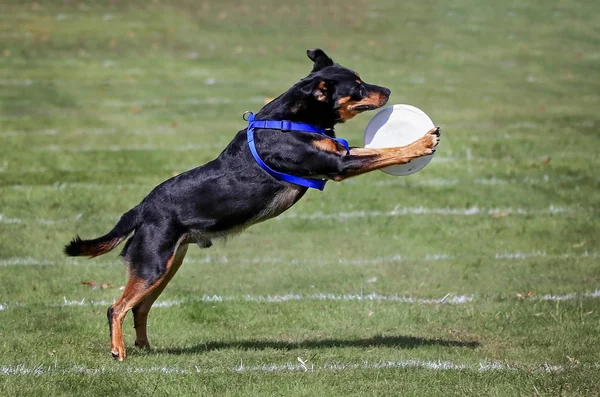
pixel 232 192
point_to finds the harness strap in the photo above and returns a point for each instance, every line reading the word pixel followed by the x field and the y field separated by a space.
pixel 285 125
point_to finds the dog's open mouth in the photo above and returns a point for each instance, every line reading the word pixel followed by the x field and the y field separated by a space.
pixel 363 108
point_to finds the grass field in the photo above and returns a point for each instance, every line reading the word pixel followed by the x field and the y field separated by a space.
pixel 377 286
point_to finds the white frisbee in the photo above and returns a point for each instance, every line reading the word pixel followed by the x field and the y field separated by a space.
pixel 399 125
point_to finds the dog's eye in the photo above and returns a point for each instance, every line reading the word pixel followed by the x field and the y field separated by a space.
pixel 362 91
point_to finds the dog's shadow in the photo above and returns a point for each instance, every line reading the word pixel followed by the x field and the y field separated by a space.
pixel 400 342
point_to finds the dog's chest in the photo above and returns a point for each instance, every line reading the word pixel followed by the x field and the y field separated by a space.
pixel 280 202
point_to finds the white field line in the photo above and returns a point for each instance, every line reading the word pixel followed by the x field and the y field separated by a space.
pixel 257 99
pixel 158 148
pixel 448 299
pixel 571 296
pixel 546 179
pixel 438 182
pixel 186 167
pixel 42 170
pixel 23 370
pixel 127 148
pixel 165 129
pixel 342 216
pixel 15 35
pixel 81 186
pixel 504 256
pixel 402 211
pixel 291 297
pixel 200 78
pixel 159 129
pixel 145 103
pixel 28 261
pixel 518 126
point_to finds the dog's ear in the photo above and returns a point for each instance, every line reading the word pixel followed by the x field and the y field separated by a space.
pixel 319 58
pixel 316 88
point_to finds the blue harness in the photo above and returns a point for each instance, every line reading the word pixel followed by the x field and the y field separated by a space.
pixel 285 125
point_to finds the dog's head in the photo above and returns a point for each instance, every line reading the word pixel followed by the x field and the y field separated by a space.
pixel 340 89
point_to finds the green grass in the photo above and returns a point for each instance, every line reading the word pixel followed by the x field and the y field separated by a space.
pixel 99 103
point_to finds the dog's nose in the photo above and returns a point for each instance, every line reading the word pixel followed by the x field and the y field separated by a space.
pixel 387 91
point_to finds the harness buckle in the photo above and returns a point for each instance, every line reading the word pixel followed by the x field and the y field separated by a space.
pixel 286 126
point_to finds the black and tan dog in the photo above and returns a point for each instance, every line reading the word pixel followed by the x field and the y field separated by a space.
pixel 233 192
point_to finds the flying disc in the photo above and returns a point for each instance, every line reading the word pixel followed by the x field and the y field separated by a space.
pixel 399 125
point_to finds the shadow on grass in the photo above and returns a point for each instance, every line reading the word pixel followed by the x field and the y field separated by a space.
pixel 401 342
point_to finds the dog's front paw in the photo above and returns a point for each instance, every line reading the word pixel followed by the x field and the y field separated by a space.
pixel 432 138
pixel 427 144
pixel 118 353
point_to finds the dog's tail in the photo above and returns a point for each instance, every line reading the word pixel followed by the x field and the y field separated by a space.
pixel 101 245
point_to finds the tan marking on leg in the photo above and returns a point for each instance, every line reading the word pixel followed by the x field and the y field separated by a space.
pixel 375 159
pixel 327 145
pixel 140 312
pixel 133 288
pixel 135 291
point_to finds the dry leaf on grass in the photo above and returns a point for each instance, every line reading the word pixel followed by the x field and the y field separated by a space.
pixel 94 285
pixel 525 296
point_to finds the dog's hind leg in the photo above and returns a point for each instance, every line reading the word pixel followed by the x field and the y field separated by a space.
pixel 147 272
pixel 140 312
pixel 134 291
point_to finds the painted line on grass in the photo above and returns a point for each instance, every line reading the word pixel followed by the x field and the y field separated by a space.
pixel 448 299
pixel 141 104
pixel 179 168
pixel 402 211
pixel 571 296
pixel 165 129
pixel 371 297
pixel 81 186
pixel 30 261
pixel 206 80
pixel 158 129
pixel 291 297
pixel 127 148
pixel 301 367
pixel 44 170
pixel 345 215
pixel 15 35
pixel 437 182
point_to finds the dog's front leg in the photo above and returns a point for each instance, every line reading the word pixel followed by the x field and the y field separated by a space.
pixel 362 160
